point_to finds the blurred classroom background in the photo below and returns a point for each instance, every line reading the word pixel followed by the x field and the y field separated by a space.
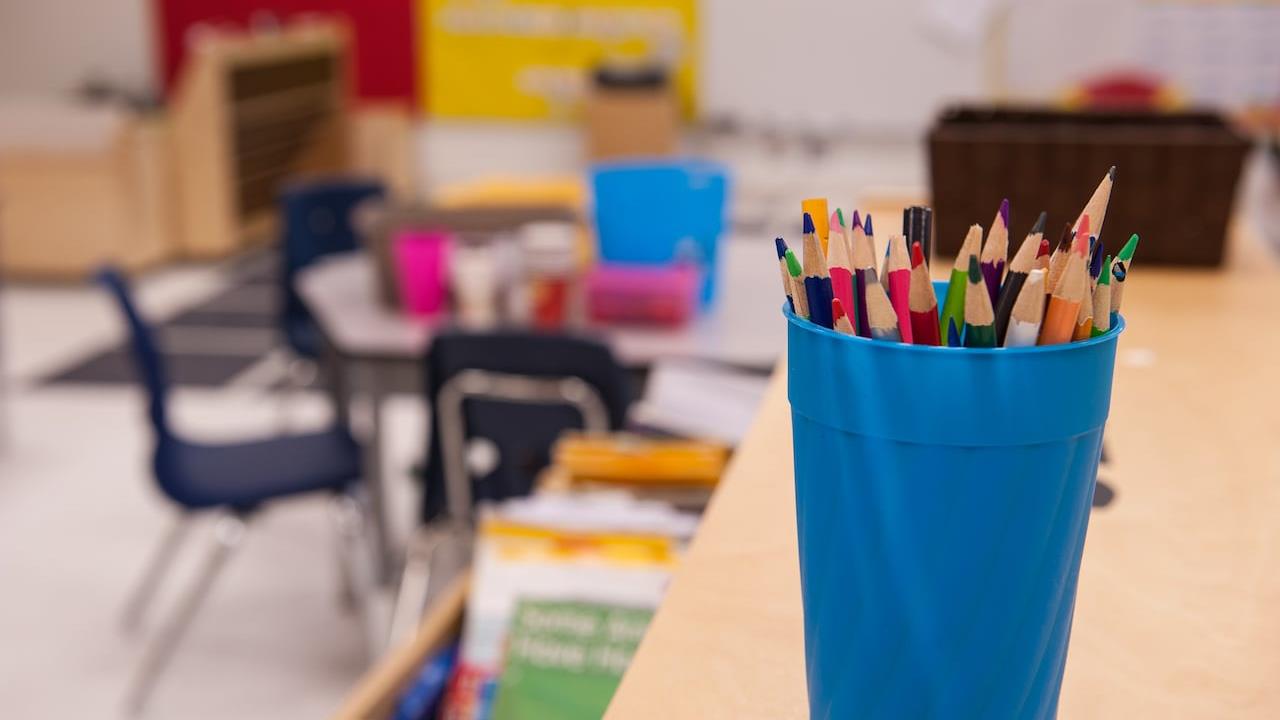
pixel 289 288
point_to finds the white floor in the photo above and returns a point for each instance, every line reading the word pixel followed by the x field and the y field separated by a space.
pixel 79 517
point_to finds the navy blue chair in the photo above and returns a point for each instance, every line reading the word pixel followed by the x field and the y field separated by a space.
pixel 233 479
pixel 316 217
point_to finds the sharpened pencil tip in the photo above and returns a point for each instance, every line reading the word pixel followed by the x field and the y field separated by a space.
pixel 1112 173
pixel 840 216
pixel 917 254
pixel 975 270
pixel 953 333
pixel 856 222
pixel 808 224
pixel 1126 252
pixel 1044 248
pixel 793 264
pixel 866 228
pixel 1004 212
pixel 781 246
pixel 1040 221
pixel 836 222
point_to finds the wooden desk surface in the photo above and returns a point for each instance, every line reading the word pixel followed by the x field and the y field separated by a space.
pixel 1178 612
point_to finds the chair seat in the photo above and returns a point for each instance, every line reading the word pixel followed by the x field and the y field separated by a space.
pixel 246 474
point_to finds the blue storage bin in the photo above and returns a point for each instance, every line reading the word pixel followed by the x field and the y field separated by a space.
pixel 653 211
pixel 939 555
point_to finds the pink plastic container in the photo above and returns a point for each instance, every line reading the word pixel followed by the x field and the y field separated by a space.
pixel 643 294
pixel 422 269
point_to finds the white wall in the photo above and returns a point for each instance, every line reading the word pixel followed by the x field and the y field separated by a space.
pixel 882 65
pixel 50 46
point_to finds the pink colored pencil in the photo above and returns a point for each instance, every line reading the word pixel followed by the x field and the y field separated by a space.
pixel 840 263
pixel 899 280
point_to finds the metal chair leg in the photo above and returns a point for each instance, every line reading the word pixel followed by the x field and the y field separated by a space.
pixel 415 583
pixel 348 522
pixel 228 535
pixel 436 554
pixel 162 559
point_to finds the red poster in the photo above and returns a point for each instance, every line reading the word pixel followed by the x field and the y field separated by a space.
pixel 382 35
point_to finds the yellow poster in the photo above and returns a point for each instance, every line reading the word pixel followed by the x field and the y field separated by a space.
pixel 531 58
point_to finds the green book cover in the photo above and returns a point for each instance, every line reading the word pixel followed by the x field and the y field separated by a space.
pixel 564 659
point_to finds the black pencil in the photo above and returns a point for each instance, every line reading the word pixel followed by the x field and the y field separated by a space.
pixel 1024 261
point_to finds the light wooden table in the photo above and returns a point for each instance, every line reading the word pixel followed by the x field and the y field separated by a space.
pixel 1178 612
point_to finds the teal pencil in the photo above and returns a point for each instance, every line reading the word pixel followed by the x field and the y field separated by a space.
pixel 979 318
pixel 881 315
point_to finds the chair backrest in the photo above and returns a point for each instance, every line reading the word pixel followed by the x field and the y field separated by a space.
pixel 693 197
pixel 515 423
pixel 317 220
pixel 146 354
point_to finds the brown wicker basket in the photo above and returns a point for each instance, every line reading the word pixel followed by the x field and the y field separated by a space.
pixel 1175 180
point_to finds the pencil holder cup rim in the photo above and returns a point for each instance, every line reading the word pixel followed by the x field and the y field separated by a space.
pixel 920 394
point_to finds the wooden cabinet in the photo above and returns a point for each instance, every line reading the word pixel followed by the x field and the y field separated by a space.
pixel 252 112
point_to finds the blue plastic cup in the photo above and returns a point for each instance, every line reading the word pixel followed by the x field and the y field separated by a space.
pixel 654 212
pixel 942 497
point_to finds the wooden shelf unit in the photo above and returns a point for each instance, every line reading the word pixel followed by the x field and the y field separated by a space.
pixel 251 113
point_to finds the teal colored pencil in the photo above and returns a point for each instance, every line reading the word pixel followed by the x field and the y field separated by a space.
pixel 979 318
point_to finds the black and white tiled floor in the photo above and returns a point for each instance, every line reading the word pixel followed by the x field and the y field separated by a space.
pixel 228 337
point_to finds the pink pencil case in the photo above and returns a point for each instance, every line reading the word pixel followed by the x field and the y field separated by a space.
pixel 642 294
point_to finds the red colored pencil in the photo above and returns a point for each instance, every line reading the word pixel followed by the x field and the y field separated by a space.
pixel 923 301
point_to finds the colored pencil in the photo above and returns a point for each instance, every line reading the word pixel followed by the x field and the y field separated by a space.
pixel 1064 305
pixel 995 251
pixel 1028 312
pixel 884 322
pixel 839 318
pixel 798 293
pixel 1024 261
pixel 817 280
pixel 979 318
pixel 953 334
pixel 1057 262
pixel 1096 251
pixel 869 238
pixel 917 226
pixel 1096 208
pixel 953 304
pixel 1124 259
pixel 817 209
pixel 864 274
pixel 840 265
pixel 898 276
pixel 1084 316
pixel 1102 301
pixel 1042 256
pixel 781 246
pixel 835 228
pixel 922 301
pixel 1080 245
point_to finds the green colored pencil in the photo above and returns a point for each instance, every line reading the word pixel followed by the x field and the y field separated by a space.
pixel 953 305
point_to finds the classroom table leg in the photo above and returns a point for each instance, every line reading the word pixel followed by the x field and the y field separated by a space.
pixel 374 479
